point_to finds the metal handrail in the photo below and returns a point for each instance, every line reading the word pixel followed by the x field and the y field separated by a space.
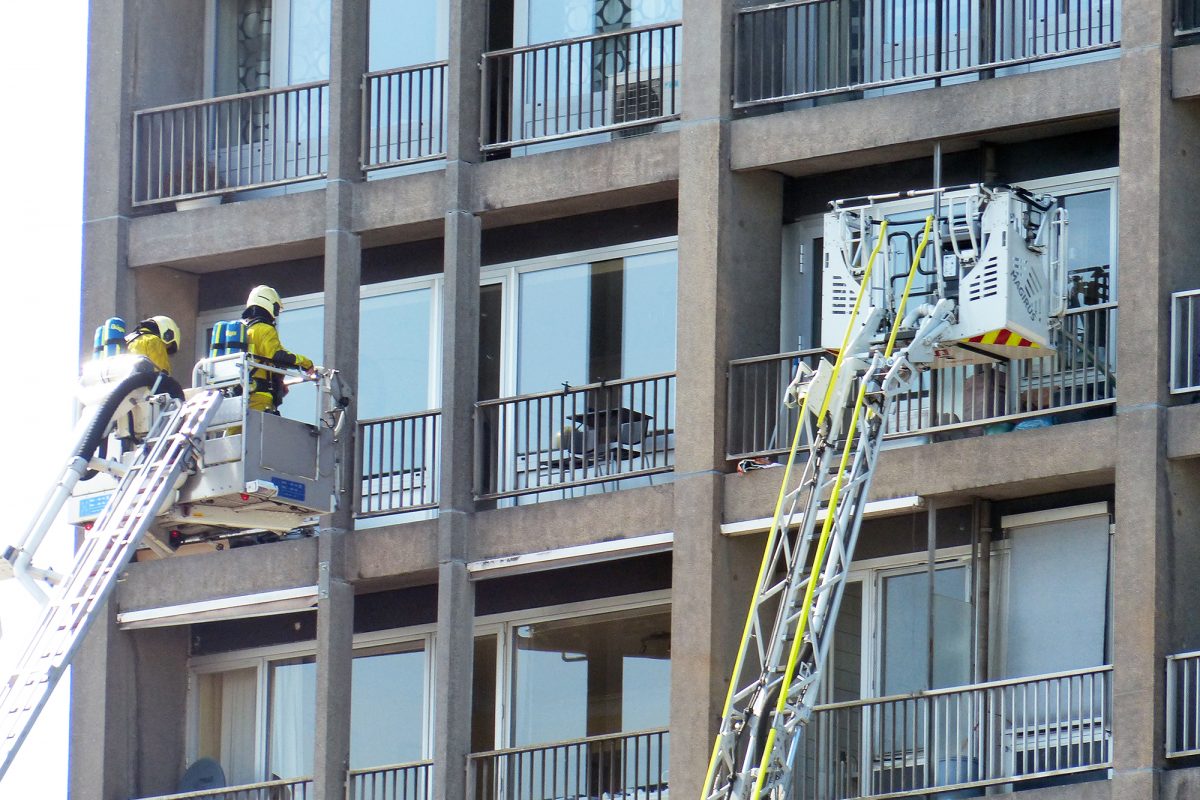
pixel 1079 375
pixel 389 449
pixel 529 48
pixel 390 140
pixel 1185 341
pixel 391 782
pixel 779 56
pixel 214 146
pixel 948 690
pixel 248 791
pixel 987 734
pixel 1183 705
pixel 610 81
pixel 606 737
pixel 596 434
pixel 611 765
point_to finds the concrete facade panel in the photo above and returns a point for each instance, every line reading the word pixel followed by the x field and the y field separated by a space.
pixel 217 575
pixel 231 235
pixel 578 521
pixel 576 180
pixel 905 125
pixel 998 467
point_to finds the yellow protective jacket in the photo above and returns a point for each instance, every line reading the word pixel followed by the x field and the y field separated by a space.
pixel 144 343
pixel 262 342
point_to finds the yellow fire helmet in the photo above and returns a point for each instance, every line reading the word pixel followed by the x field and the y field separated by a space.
pixel 168 331
pixel 265 298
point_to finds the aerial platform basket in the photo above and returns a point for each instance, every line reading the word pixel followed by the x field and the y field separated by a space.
pixel 996 255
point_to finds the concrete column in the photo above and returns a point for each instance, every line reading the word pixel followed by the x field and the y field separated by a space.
pixel 343 282
pixel 729 294
pixel 107 287
pixel 161 290
pixel 460 355
pixel 1157 238
pixel 101 764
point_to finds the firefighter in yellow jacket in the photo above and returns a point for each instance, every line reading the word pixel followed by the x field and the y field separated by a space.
pixel 157 339
pixel 262 341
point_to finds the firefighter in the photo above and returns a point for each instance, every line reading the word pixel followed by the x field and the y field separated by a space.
pixel 262 341
pixel 157 339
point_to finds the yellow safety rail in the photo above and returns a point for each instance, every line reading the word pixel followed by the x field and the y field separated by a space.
pixel 775 518
pixel 827 526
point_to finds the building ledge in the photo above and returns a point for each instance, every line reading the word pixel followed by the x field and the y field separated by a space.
pixel 894 127
pixel 1185 72
pixel 1004 466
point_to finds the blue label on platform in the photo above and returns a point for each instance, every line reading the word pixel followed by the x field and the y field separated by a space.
pixel 289 490
pixel 91 506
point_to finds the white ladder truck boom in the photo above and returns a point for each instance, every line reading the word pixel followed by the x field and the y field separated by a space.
pixel 988 264
pixel 196 465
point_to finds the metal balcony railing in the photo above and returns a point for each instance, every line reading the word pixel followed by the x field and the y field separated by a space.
pixel 617 81
pixel 1081 374
pixel 973 736
pixel 398 463
pixel 592 435
pixel 246 141
pixel 623 765
pixel 405 110
pixel 1185 341
pixel 1183 705
pixel 396 782
pixel 809 48
pixel 293 789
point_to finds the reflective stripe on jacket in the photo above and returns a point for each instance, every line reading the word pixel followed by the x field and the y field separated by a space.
pixel 262 341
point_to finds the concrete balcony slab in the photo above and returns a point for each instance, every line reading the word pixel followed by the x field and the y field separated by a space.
pixel 894 127
pixel 231 235
pixel 1004 466
pixel 578 180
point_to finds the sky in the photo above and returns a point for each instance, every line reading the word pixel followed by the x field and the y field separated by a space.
pixel 43 58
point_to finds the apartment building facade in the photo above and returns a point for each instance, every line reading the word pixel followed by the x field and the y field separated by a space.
pixel 568 254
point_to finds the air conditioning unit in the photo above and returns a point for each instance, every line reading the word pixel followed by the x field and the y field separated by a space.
pixel 648 94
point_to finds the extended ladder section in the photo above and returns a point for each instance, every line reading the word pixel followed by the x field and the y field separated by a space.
pixel 844 408
pixel 106 548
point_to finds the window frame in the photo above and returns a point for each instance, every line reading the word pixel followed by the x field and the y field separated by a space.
pixel 261 659
pixel 435 282
pixel 508 275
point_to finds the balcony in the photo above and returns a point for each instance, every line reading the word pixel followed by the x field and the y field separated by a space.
pixel 1185 341
pixel 208 148
pixel 1080 378
pixel 621 766
pixel 590 437
pixel 1183 705
pixel 398 782
pixel 625 82
pixel 811 48
pixel 405 111
pixel 295 789
pixel 1003 732
pixel 398 464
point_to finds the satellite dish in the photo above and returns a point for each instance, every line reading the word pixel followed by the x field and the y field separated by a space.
pixel 204 774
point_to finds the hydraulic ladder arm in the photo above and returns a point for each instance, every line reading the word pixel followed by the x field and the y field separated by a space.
pixel 76 597
pixel 844 411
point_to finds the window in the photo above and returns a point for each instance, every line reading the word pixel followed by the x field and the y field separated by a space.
pixel 588 676
pixel 264 44
pixel 407 32
pixel 256 715
pixel 572 674
pixel 580 320
pixel 399 344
